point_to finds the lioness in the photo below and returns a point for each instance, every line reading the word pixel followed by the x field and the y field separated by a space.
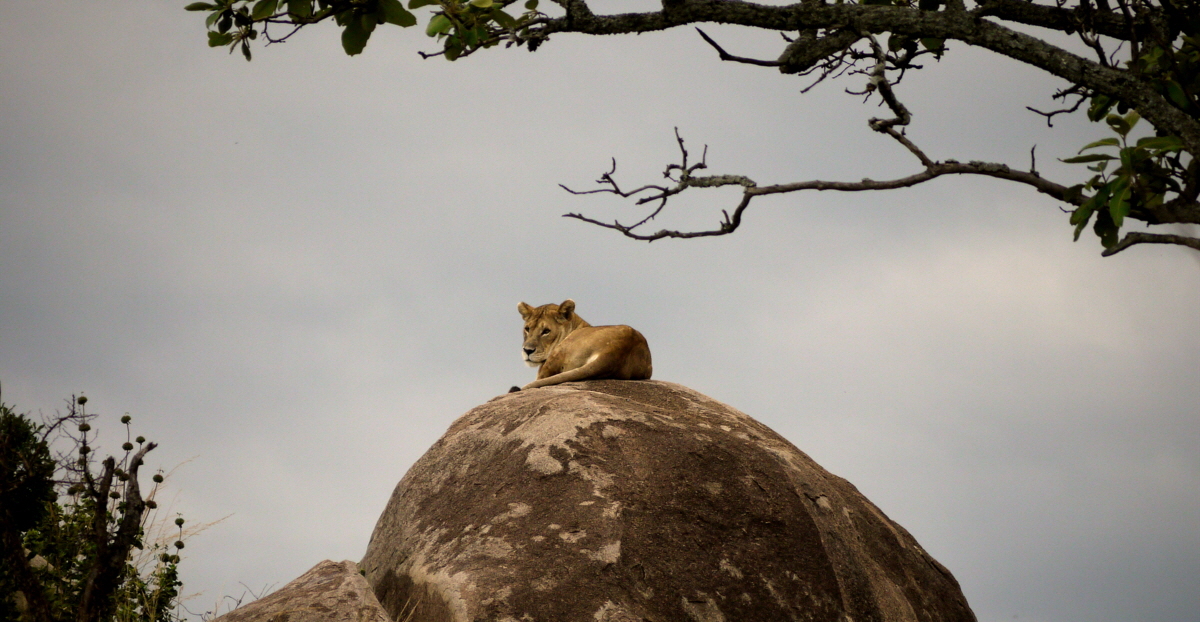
pixel 567 348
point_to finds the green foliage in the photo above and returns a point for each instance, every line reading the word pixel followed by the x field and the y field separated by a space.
pixel 461 27
pixel 1153 167
pixel 26 472
pixel 26 492
pixel 78 543
pixel 1145 173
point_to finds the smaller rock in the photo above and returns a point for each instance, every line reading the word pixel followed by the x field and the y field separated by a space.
pixel 37 563
pixel 330 592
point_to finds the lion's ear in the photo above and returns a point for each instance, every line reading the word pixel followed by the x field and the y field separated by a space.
pixel 567 309
pixel 525 310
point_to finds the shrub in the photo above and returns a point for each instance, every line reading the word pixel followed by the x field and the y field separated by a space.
pixel 73 527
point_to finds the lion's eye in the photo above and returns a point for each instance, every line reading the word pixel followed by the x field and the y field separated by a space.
pixel 545 331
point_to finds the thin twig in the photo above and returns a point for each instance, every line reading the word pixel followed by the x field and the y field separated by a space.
pixel 737 59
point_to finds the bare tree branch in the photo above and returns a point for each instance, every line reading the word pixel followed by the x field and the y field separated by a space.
pixel 1136 237
pixel 1075 91
pixel 1132 59
pixel 965 26
pixel 877 82
pixel 738 59
pixel 827 34
pixel 730 223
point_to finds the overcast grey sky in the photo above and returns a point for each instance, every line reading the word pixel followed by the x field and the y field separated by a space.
pixel 295 273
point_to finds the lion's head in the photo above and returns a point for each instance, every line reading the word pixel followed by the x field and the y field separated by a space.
pixel 545 326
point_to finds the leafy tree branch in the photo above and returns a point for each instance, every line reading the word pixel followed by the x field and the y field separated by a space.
pixel 1133 60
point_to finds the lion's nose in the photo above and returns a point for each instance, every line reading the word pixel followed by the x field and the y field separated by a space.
pixel 528 351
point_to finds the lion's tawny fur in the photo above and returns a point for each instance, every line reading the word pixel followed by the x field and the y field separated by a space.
pixel 566 348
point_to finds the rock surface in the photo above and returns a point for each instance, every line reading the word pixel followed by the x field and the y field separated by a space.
pixel 623 501
pixel 330 592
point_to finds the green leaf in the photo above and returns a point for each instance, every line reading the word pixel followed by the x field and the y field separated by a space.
pixel 246 49
pixel 531 5
pixel 504 19
pixel 1105 228
pixel 1118 202
pixel 454 48
pixel 264 9
pixel 438 25
pixel 369 22
pixel 354 37
pixel 1083 212
pixel 899 42
pixel 300 8
pixel 482 4
pixel 211 19
pixel 1091 157
pixel 1101 104
pixel 935 45
pixel 1132 118
pixel 199 6
pixel 394 13
pixel 1079 227
pixel 1176 95
pixel 1126 159
pixel 1083 223
pixel 1103 142
pixel 877 2
pixel 1118 124
pixel 1160 144
pixel 217 39
pixel 416 4
pixel 1101 196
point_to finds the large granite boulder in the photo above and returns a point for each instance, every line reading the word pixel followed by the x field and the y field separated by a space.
pixel 639 500
pixel 329 592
